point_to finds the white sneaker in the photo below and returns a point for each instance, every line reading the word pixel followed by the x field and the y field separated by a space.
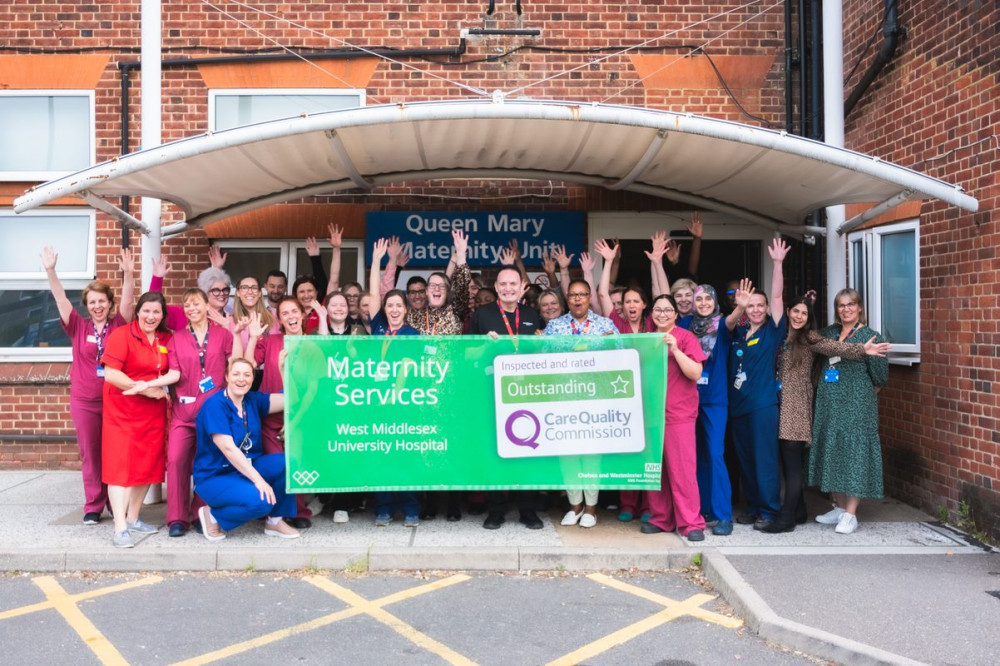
pixel 587 520
pixel 831 517
pixel 341 516
pixel 571 517
pixel 848 523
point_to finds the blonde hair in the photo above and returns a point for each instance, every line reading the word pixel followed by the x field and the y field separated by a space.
pixel 683 283
pixel 237 359
pixel 239 311
pixel 854 296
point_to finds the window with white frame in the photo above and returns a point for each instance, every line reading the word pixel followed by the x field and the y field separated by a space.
pixel 258 257
pixel 29 318
pixel 45 134
pixel 233 108
pixel 885 270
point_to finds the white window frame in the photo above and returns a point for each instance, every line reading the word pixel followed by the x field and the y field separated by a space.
pixel 289 248
pixel 71 281
pixel 31 176
pixel 869 278
pixel 265 92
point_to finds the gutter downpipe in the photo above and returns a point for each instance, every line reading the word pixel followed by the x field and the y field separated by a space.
pixel 889 43
pixel 833 123
pixel 150 116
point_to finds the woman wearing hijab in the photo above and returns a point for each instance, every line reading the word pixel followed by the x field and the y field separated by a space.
pixel 707 325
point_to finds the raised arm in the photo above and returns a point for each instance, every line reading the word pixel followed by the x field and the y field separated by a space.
pixel 49 259
pixel 519 260
pixel 127 264
pixel 460 283
pixel 216 257
pixel 604 287
pixel 563 259
pixel 660 284
pixel 549 266
pixel 587 265
pixel 695 228
pixel 778 251
pixel 375 278
pixel 742 301
pixel 616 264
pixel 336 240
pixel 395 252
pixel 316 264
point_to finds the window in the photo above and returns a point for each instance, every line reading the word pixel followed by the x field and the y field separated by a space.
pixel 258 257
pixel 232 108
pixel 45 134
pixel 29 319
pixel 884 268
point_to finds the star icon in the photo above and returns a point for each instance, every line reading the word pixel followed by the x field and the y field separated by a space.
pixel 620 385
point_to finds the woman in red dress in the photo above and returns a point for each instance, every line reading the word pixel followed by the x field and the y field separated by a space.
pixel 135 414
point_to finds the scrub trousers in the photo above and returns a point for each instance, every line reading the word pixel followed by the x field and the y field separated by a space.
pixel 756 438
pixel 713 477
pixel 234 499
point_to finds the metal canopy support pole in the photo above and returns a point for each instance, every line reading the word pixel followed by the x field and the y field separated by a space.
pixel 151 123
pixel 833 115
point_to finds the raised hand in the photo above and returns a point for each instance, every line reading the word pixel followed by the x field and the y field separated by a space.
pixel 161 266
pixel 778 250
pixel 254 325
pixel 462 243
pixel 220 318
pixel 402 259
pixel 515 249
pixel 659 240
pixel 126 262
pixel 395 247
pixel 216 257
pixel 587 263
pixel 379 250
pixel 507 257
pixel 743 293
pixel 548 263
pixel 673 252
pixel 312 247
pixel 49 258
pixel 559 253
pixel 336 234
pixel 694 226
pixel 606 251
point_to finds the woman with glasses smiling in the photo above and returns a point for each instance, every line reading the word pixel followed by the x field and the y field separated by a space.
pixel 248 300
pixel 846 455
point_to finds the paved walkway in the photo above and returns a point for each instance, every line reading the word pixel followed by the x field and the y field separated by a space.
pixel 902 589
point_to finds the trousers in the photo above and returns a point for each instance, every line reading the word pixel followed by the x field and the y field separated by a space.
pixel 234 499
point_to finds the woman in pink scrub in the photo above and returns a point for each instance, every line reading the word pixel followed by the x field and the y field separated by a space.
pixel 87 336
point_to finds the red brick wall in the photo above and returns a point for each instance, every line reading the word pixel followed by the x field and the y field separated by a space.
pixel 936 108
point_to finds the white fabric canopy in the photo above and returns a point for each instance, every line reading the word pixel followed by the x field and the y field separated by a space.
pixel 768 177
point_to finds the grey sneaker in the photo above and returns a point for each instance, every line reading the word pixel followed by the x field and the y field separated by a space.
pixel 123 540
pixel 142 527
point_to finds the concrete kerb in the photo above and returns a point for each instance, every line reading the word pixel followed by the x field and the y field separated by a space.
pixel 763 621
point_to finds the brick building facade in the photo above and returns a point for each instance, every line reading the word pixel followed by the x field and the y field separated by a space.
pixel 934 108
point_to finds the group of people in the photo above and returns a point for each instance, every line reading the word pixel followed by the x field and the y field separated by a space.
pixel 748 375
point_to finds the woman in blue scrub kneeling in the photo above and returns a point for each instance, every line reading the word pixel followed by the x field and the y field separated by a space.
pixel 231 473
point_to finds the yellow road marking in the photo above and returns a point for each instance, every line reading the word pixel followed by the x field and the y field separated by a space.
pixel 700 613
pixel 374 610
pixel 65 605
pixel 354 610
pixel 82 596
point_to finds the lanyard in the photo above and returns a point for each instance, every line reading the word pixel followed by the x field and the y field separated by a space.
pixel 247 442
pixel 517 319
pixel 99 338
pixel 431 330
pixel 851 332
pixel 392 332
pixel 202 348
pixel 577 331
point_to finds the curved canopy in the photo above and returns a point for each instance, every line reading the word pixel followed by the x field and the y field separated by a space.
pixel 768 177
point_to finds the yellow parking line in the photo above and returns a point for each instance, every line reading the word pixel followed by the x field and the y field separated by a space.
pixel 65 605
pixel 374 610
pixel 700 613
pixel 82 596
pixel 281 634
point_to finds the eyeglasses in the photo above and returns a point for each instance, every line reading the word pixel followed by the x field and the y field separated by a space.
pixel 224 291
pixel 416 292
pixel 352 297
pixel 435 286
pixel 663 311
pixel 248 287
pixel 578 294
pixel 845 306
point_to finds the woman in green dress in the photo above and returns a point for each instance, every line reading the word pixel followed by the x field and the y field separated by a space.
pixel 846 455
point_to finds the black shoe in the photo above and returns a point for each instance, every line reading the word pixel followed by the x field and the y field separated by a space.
pixel 800 515
pixel 696 535
pixel 299 523
pixel 178 529
pixel 92 518
pixel 477 508
pixel 746 519
pixel 196 526
pixel 650 528
pixel 428 514
pixel 454 515
pixel 531 520
pixel 780 524
pixel 761 524
pixel 493 521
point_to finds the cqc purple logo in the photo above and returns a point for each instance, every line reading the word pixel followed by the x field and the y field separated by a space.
pixel 523 428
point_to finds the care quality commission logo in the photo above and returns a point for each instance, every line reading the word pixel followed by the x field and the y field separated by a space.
pixel 568 404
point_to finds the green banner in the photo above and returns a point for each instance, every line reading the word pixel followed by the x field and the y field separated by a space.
pixel 474 413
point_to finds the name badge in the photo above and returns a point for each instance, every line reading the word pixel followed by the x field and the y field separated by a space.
pixel 703 380
pixel 206 384
pixel 751 343
pixel 91 338
pixel 831 376
pixel 100 371
pixel 740 378
pixel 163 350
pixel 186 399
pixel 834 360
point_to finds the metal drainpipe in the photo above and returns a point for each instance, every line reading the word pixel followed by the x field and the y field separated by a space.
pixel 889 43
pixel 789 120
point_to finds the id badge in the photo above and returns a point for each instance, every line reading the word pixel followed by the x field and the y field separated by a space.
pixel 100 371
pixel 206 384
pixel 831 376
pixel 740 378
pixel 703 380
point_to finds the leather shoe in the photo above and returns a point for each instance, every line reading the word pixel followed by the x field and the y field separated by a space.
pixel 650 528
pixel 746 519
pixel 178 529
pixel 493 521
pixel 454 515
pixel 695 535
pixel 761 524
pixel 531 520
pixel 299 523
pixel 780 524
